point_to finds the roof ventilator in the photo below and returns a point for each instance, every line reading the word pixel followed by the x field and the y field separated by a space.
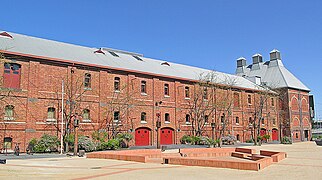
pixel 6 35
pixel 113 54
pixel 165 63
pixel 99 51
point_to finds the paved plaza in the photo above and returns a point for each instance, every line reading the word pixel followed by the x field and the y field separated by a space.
pixel 304 161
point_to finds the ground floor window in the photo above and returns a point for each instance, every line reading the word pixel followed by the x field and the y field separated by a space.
pixel 7 143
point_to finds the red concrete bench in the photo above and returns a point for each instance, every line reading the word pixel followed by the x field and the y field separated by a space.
pixel 276 156
pixel 245 150
pixel 241 155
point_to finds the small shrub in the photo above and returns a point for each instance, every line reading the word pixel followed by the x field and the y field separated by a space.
pixel 228 140
pixel 124 139
pixel 113 144
pixel 47 143
pixel 286 140
pixel 99 136
pixel 266 136
pixel 86 143
pixel 196 139
pixel 249 141
pixel 186 139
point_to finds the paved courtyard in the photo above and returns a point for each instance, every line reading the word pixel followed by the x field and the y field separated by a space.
pixel 304 161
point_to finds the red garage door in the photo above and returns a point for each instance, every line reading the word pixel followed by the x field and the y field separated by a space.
pixel 142 137
pixel 274 135
pixel 166 136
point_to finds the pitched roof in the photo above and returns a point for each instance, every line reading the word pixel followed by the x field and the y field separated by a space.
pixel 274 74
pixel 28 45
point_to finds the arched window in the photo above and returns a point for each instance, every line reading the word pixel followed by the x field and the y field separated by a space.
pixel 166 89
pixel 167 117
pixel 87 80
pixel 11 76
pixel 205 93
pixel 249 99
pixel 187 118
pixel 222 118
pixel 51 113
pixel 237 120
pixel 86 115
pixel 117 83
pixel 206 118
pixel 186 92
pixel 9 112
pixel 143 116
pixel 7 142
pixel 143 86
pixel 272 102
pixel 116 116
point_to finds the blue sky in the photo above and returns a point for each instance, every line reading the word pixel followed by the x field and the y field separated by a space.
pixel 204 33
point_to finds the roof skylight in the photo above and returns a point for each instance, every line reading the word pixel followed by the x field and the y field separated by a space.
pixel 113 54
pixel 165 63
pixel 138 58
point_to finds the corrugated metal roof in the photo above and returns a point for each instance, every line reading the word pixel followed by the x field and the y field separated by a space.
pixel 53 49
pixel 274 74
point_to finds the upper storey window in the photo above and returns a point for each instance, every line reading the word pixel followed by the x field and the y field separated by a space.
pixel 11 76
pixel 87 80
pixel 166 89
pixel 143 86
pixel 117 82
pixel 186 92
pixel 249 99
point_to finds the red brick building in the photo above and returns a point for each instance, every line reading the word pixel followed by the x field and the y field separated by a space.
pixel 113 90
pixel 294 114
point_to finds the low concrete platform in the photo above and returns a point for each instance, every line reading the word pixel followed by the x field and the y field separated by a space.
pixel 236 158
pixel 304 161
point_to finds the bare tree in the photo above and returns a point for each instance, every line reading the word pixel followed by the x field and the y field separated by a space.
pixel 212 95
pixel 260 103
pixel 117 108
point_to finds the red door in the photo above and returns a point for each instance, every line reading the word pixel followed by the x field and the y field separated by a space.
pixel 274 135
pixel 166 136
pixel 142 137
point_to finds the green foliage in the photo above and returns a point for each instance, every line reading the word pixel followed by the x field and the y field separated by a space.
pixel 211 141
pixel 186 139
pixel 70 139
pixel 113 144
pixel 125 136
pixel 33 142
pixel 249 141
pixel 86 143
pixel 47 143
pixel 99 136
pixel 124 139
pixel 286 140
pixel 266 136
pixel 259 138
pixel 196 140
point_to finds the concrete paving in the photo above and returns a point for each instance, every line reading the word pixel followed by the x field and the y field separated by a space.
pixel 304 161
